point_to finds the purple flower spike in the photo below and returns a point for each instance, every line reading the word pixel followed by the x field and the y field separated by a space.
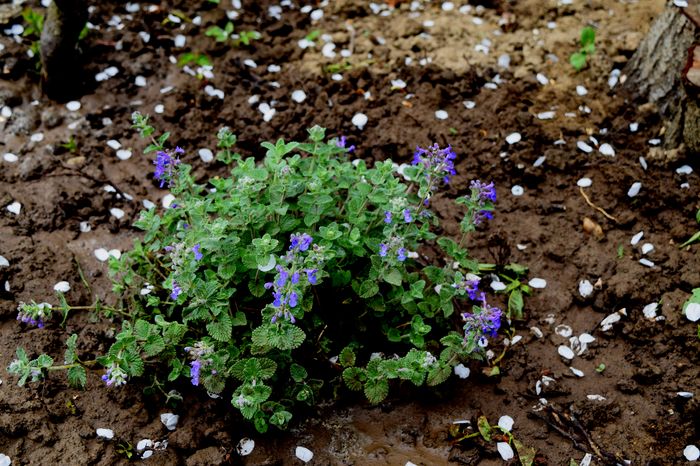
pixel 311 276
pixel 407 216
pixel 197 254
pixel 165 164
pixel 387 217
pixel 196 365
pixel 401 254
pixel 176 291
pixel 383 249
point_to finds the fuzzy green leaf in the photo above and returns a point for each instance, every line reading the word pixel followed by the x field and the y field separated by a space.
pixel 77 377
pixel 297 373
pixel 376 390
pixel 515 304
pixel 347 357
pixel 354 378
pixel 393 277
pixel 154 345
pixel 220 330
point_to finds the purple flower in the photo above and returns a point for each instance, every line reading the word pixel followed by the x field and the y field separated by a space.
pixel 293 299
pixel 407 216
pixel 176 291
pixel 383 250
pixel 487 321
pixel 301 241
pixel 196 365
pixel 197 254
pixel 33 314
pixel 401 254
pixel 282 278
pixel 387 217
pixel 279 299
pixel 485 192
pixel 114 375
pixel 295 278
pixel 165 164
pixel 342 142
pixel 311 275
pixel 439 163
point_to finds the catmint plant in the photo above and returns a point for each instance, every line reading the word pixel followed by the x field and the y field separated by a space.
pixel 301 266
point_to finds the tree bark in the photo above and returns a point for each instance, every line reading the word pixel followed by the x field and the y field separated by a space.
pixel 654 74
pixel 60 61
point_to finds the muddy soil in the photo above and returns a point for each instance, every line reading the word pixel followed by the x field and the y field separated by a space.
pixel 449 60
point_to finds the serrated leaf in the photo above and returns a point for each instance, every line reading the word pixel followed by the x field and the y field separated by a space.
pixel 44 360
pixel 77 377
pixel 281 418
pixel 368 289
pixel 347 357
pixel 297 373
pixel 154 345
pixel 70 355
pixel 221 329
pixel 438 374
pixel 176 370
pixel 354 378
pixel 134 364
pixel 285 336
pixel 142 329
pixel 376 390
pixel 484 428
pixel 515 304
pixel 268 367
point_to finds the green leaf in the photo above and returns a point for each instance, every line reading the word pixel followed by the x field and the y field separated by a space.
pixel 154 345
pixel 394 277
pixel 44 360
pixel 577 60
pixel 515 304
pixel 239 319
pixel 484 428
pixel 70 355
pixel 587 36
pixel 220 330
pixel 438 374
pixel 77 377
pixel 376 390
pixel 354 378
pixel 281 418
pixel 368 289
pixel 297 372
pixel 347 357
pixel 525 454
pixel 693 239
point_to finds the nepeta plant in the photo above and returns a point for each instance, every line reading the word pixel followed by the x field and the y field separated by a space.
pixel 300 269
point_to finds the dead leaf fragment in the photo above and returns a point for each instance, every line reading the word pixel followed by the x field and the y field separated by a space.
pixel 592 228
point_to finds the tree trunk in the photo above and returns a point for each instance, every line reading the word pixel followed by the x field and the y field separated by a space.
pixel 655 72
pixel 60 64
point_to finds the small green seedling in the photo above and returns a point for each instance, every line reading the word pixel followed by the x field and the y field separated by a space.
pixel 696 237
pixel 578 59
pixel 620 251
pixel 71 145
pixel 223 35
pixel 601 368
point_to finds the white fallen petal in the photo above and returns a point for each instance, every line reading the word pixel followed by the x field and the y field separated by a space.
pixel 542 79
pixel 512 138
pixel 580 90
pixel 116 212
pixel 441 115
pixel 634 189
pixel 685 394
pixel 123 154
pixel 206 155
pixel 505 451
pixel 116 253
pixel 73 105
pixel 14 208
pixel 517 190
pixel 565 352
pixel 167 200
pixel 140 81
pixel 607 323
pixel 646 262
pixel 105 433
pixel 607 149
pixel 62 287
pixel 546 115
pixel 692 312
pixel 5 460
pixel 143 444
pixel 461 371
pixel 298 96
pixel 304 454
pixel 101 254
pixel 636 238
pixel 10 157
pixel 538 283
pixel 169 420
pixel 245 446
pixel 147 454
pixel 506 423
pixel 576 372
pixel 564 330
pixel 691 452
pixel 647 248
pixel 595 397
pixel 114 144
pixel 498 286
pixel 584 147
pixel 359 120
pixel 585 288
pixel 586 338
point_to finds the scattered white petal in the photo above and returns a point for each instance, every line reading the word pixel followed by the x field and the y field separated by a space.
pixel 564 330
pixel 37 137
pixel 680 3
pixel 148 204
pixel 169 420
pixel 298 96
pixel 469 104
pixel 160 108
pixel 101 254
pixel 646 262
pixel 595 397
pixel 5 460
pixel 576 372
pixel 250 63
pixel 512 138
pixel 505 450
pixel 516 339
pixel 654 142
pixel 584 182
pixel 684 170
pixel 147 454
pixel 6 112
pixel 143 444
pixel 14 208
pixel 441 115
pixel 542 79
pixel 692 312
pixel 506 423
pixel 274 68
pixel 167 200
pixel 10 157
pixel 114 144
pixel 180 40
pixel 398 84
pixel 116 253
pixel 245 446
pixel 566 352
pixel 498 286
pixel 448 6
pixel 304 454
pixel 123 154
pixel 634 189
pixel 636 238
pixel 685 394
pixel 504 60
pixel 538 283
pixel 546 115
pixel 691 452
pixel 140 81
pixel 580 90
pixel 73 105
pixel 649 310
pixel 586 338
pixel 328 50
pixel 607 150
pixel 105 433
pixel 540 160
pixel 206 155
pixel 62 287
pixel 462 371
pixel 517 190
pixel 316 15
pixel 4 262
pixel 584 147
pixel 647 248
pixel 359 120
pixel 117 212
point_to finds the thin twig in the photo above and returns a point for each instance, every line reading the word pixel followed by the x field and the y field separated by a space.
pixel 599 209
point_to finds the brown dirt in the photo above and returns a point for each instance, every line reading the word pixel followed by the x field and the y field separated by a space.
pixel 647 362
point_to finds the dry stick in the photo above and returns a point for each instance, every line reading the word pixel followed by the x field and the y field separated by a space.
pixel 599 209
